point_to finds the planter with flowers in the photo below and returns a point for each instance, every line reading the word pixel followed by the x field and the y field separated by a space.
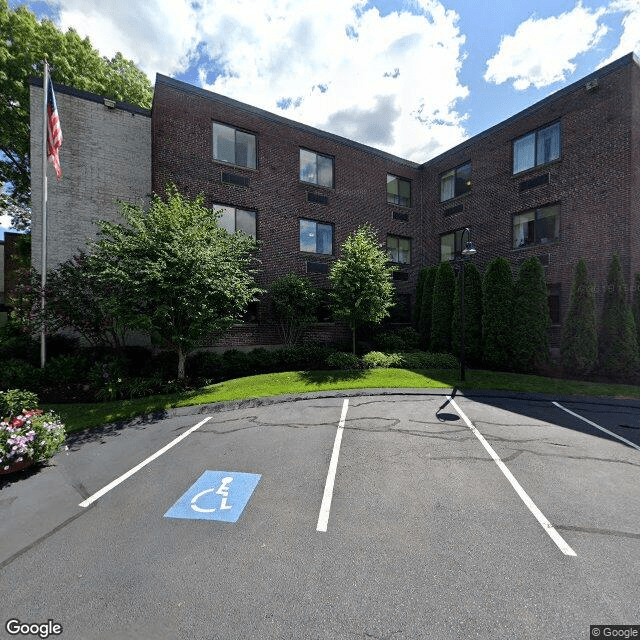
pixel 28 435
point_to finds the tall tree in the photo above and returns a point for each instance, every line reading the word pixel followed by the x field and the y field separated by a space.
pixel 618 342
pixel 442 310
pixel 424 324
pixel 531 320
pixel 294 301
pixel 24 43
pixel 175 273
pixel 472 315
pixel 497 314
pixel 579 339
pixel 362 290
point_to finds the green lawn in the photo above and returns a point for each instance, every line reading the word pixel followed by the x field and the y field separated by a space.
pixel 82 416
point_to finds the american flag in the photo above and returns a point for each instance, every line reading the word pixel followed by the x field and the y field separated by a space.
pixel 54 132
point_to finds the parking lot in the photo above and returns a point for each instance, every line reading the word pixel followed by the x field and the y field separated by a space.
pixel 390 516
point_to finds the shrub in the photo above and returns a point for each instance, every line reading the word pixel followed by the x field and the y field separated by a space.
pixel 442 311
pixel 389 342
pixel 341 360
pixel 19 374
pixel 618 343
pixel 235 363
pixel 294 301
pixel 427 360
pixel 61 345
pixel 64 370
pixel 16 345
pixel 472 316
pixel 205 364
pixel 14 401
pixel 579 340
pixel 417 307
pixel 497 299
pixel 635 309
pixel 381 360
pixel 531 321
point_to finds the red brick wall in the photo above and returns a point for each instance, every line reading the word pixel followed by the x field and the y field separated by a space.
pixel 183 152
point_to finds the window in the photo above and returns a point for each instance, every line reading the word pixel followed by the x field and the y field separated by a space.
pixel 316 237
pixel 316 168
pixel 399 249
pixel 450 245
pixel 538 226
pixel 455 182
pixel 398 191
pixel 234 146
pixel 537 147
pixel 233 220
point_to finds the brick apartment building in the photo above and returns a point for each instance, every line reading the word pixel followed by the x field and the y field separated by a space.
pixel 558 180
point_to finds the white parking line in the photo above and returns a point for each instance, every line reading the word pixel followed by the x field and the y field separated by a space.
pixel 325 507
pixel 597 426
pixel 128 474
pixel 546 525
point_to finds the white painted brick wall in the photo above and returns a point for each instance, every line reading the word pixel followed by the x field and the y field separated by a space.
pixel 105 157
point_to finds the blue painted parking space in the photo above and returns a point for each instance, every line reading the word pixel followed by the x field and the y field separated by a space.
pixel 216 495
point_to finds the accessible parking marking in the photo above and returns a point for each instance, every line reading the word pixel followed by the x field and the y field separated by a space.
pixel 546 525
pixel 229 491
pixel 325 507
pixel 597 426
pixel 91 499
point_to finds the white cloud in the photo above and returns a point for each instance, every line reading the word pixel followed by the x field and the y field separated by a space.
pixel 396 74
pixel 630 37
pixel 542 50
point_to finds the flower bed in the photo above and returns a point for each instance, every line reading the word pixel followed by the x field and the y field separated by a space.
pixel 29 438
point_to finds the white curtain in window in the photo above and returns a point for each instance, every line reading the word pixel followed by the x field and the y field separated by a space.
pixel 524 153
pixel 549 144
pixel 447 185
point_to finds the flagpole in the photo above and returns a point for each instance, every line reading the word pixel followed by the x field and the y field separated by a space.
pixel 45 87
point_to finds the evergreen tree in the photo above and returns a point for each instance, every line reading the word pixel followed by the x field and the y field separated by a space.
pixel 424 324
pixel 472 315
pixel 531 320
pixel 636 306
pixel 579 340
pixel 497 300
pixel 417 307
pixel 618 342
pixel 442 311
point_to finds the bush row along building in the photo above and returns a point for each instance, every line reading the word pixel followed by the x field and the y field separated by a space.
pixel 559 180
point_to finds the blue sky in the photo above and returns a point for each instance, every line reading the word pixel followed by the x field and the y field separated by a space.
pixel 411 77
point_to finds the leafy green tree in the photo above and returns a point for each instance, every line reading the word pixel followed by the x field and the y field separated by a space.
pixel 417 307
pixel 294 301
pixel 442 309
pixel 23 46
pixel 579 338
pixel 472 315
pixel 174 273
pixel 618 342
pixel 531 320
pixel 497 314
pixel 424 324
pixel 362 290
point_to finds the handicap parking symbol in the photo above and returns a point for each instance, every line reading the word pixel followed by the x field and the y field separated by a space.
pixel 216 495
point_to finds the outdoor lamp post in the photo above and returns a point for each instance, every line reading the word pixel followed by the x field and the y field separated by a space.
pixel 468 251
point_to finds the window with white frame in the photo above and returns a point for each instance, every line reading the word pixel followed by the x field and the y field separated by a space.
pixel 455 182
pixel 233 219
pixel 398 191
pixel 538 147
pixel 316 168
pixel 537 226
pixel 316 237
pixel 234 146
pixel 399 249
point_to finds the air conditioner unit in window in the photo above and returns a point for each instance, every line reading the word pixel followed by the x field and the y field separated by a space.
pixel 592 85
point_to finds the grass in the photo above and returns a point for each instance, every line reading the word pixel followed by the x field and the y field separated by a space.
pixel 82 416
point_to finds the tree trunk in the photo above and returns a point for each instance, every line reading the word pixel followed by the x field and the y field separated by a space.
pixel 181 359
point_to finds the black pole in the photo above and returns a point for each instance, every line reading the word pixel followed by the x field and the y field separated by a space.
pixel 462 345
